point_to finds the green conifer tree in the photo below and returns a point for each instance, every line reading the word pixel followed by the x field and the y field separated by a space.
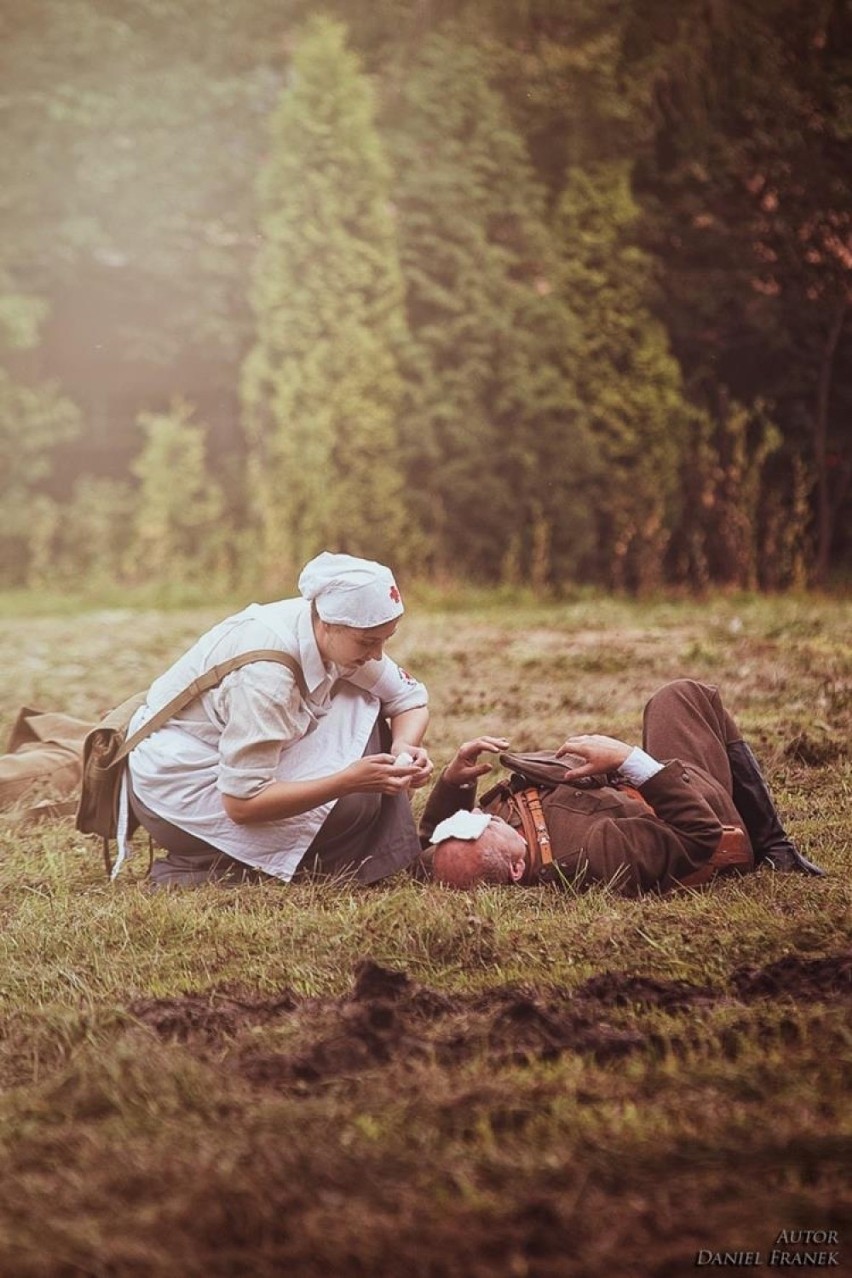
pixel 498 458
pixel 178 511
pixel 321 388
pixel 35 419
pixel 629 383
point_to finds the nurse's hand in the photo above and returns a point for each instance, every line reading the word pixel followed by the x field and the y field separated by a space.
pixel 413 755
pixel 379 774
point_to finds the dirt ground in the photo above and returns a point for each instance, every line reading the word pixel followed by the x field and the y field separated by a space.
pixel 388 1017
pixel 408 1084
pixel 618 1220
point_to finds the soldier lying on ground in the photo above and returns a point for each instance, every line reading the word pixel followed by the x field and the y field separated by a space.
pixel 625 817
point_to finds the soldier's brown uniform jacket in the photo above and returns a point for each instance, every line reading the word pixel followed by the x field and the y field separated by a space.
pixel 605 835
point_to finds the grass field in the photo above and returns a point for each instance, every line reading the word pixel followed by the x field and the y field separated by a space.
pixel 401 1082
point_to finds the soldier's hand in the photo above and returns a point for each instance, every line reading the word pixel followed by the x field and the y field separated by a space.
pixel 601 754
pixel 464 768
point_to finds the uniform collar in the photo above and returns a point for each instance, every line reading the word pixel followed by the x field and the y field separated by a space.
pixel 313 667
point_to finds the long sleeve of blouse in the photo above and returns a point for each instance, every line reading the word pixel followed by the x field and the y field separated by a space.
pixel 262 713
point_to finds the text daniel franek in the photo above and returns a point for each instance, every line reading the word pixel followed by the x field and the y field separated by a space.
pixel 810 1252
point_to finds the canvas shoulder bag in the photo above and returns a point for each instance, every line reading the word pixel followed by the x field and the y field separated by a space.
pixel 41 766
pixel 107 746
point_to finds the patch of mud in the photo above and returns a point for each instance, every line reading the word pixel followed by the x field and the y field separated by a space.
pixel 522 1023
pixel 804 980
pixel 208 1016
pixel 529 1028
pixel 365 1036
pixel 619 989
pixel 372 981
pixel 387 1017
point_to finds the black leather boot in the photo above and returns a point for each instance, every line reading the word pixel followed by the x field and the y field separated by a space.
pixel 772 845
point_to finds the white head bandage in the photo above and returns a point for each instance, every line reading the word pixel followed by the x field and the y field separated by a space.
pixel 461 825
pixel 351 592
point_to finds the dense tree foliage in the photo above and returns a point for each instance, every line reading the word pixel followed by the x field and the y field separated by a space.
pixel 506 289
pixel 495 447
pixel 747 197
pixel 628 383
pixel 178 509
pixel 321 385
pixel 34 419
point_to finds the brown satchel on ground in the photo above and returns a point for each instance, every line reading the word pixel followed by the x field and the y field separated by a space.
pixel 41 765
pixel 107 746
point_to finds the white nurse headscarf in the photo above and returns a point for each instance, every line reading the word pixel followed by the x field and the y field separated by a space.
pixel 351 592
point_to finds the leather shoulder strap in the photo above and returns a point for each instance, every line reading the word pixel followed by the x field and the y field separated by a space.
pixel 527 803
pixel 211 679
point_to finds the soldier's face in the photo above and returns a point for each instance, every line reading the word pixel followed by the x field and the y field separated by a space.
pixel 510 845
pixel 497 856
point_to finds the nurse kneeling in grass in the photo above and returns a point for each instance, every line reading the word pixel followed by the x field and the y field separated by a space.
pixel 286 771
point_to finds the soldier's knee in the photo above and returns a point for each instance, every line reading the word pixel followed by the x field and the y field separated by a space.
pixel 684 690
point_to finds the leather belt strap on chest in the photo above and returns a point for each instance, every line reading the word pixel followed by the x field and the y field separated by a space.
pixel 527 805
